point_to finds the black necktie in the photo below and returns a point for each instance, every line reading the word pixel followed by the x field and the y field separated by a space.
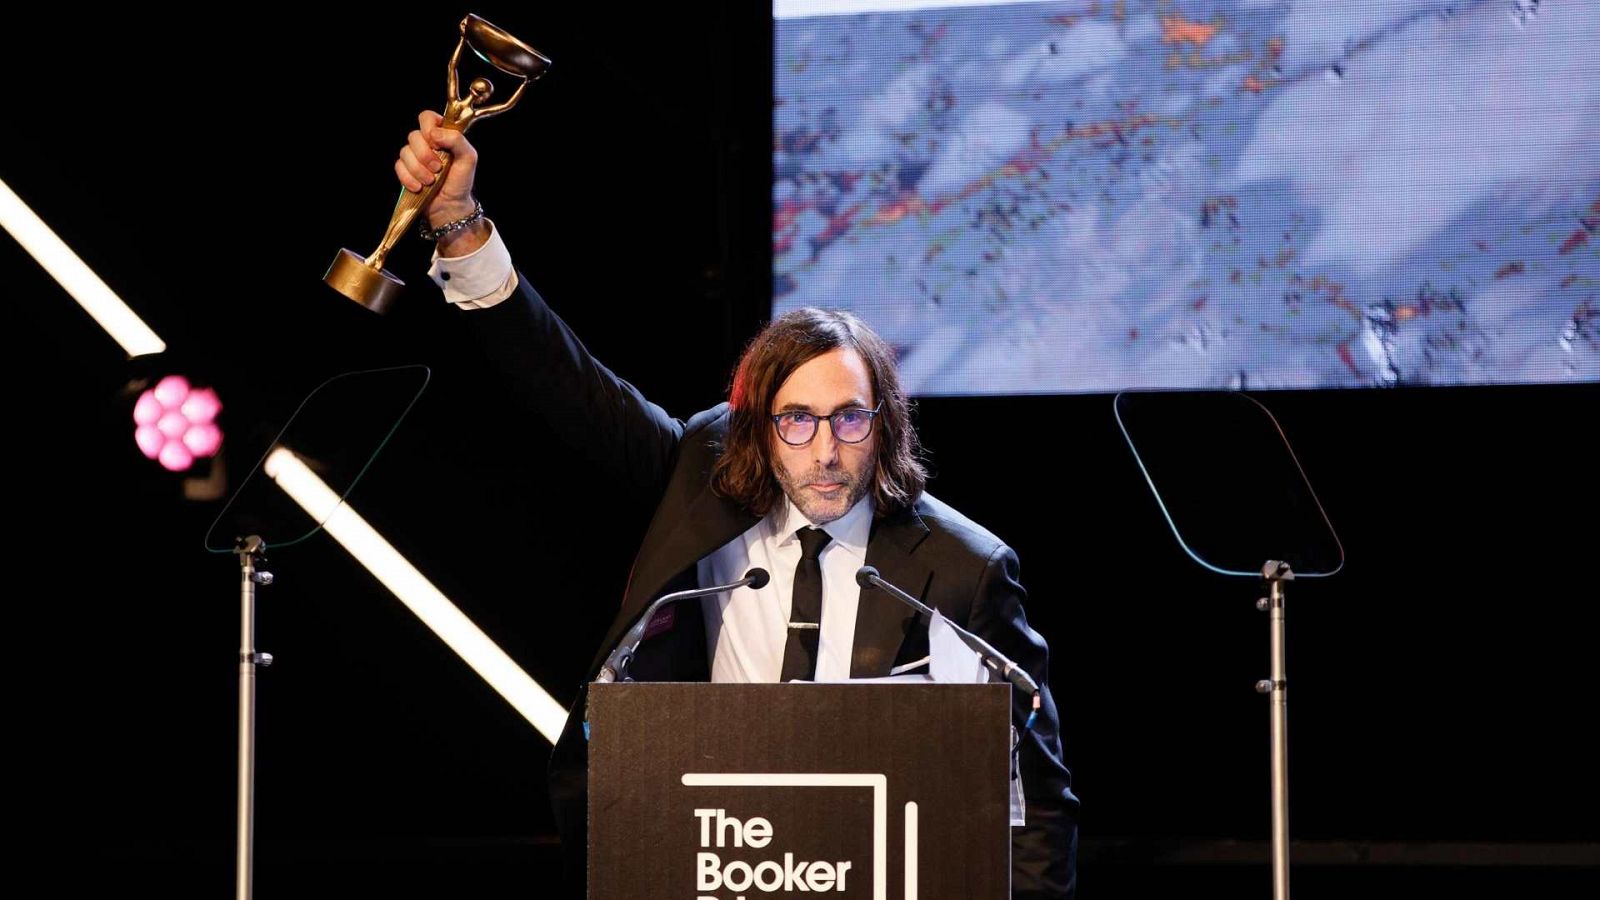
pixel 805 613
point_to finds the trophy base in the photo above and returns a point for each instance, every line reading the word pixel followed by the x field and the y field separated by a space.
pixel 373 288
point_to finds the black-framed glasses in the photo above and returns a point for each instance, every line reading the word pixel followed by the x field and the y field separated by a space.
pixel 852 425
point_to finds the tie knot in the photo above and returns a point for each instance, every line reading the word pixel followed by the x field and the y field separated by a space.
pixel 812 540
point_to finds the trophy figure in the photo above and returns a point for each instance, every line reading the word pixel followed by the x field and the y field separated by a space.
pixel 366 281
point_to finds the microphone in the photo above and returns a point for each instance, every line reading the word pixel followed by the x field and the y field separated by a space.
pixel 616 667
pixel 868 577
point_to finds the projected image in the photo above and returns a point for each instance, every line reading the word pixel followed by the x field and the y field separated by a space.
pixel 1106 194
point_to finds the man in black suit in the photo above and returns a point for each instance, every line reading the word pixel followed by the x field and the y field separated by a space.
pixel 809 470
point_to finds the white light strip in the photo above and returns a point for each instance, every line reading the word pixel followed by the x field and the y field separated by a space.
pixel 417 593
pixel 124 326
pixel 805 9
pixel 911 850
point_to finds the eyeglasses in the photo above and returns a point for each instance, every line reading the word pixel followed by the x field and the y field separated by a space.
pixel 848 425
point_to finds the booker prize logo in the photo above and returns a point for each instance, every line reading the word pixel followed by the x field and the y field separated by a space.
pixel 717 879
pixel 790 876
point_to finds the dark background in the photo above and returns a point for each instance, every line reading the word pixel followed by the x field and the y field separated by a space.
pixel 209 166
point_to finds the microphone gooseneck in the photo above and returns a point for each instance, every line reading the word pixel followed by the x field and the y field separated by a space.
pixel 616 666
pixel 868 577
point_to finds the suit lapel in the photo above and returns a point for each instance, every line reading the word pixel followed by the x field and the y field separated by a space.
pixel 672 546
pixel 882 622
pixel 706 524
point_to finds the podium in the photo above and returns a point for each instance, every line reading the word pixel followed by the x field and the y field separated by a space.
pixel 865 790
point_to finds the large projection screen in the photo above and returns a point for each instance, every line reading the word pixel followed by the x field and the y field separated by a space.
pixel 1091 196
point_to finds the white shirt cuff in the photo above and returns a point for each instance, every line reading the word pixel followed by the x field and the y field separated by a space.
pixel 478 280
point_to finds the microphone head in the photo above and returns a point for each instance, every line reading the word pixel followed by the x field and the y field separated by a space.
pixel 758 578
pixel 865 576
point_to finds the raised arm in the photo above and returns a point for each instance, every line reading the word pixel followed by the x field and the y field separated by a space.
pixel 543 363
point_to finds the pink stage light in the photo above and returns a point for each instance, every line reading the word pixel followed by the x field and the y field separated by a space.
pixel 174 458
pixel 148 410
pixel 149 438
pixel 172 391
pixel 203 439
pixel 201 405
pixel 175 423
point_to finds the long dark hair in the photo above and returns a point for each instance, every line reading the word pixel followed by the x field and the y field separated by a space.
pixel 743 471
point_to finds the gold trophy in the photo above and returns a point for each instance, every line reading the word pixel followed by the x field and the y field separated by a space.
pixel 366 281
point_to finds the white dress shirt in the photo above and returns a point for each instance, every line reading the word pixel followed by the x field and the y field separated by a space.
pixel 746 630
pixel 480 279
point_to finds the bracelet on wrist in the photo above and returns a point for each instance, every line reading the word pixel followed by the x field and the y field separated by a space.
pixel 449 228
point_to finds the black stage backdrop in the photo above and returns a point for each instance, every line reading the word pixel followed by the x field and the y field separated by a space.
pixel 209 166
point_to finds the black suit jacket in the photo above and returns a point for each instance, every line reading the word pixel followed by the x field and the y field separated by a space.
pixel 931 551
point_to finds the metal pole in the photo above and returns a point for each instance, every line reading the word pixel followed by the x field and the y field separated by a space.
pixel 1276 573
pixel 250 552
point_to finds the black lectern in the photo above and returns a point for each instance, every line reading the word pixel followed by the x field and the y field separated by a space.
pixel 871 790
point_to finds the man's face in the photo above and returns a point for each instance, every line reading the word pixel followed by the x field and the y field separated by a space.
pixel 825 477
